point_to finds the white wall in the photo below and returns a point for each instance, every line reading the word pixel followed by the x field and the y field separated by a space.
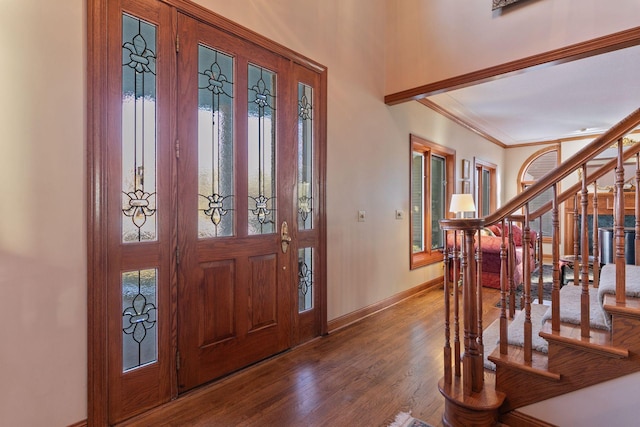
pixel 42 213
pixel 43 177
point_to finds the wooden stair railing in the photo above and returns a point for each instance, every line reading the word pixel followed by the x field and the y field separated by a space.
pixel 468 400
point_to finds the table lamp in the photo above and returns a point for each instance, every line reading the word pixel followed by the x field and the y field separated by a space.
pixel 461 203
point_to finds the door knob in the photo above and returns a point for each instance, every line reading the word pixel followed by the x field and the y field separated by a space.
pixel 285 239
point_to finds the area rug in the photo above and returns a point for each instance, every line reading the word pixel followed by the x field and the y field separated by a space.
pixel 404 419
pixel 547 284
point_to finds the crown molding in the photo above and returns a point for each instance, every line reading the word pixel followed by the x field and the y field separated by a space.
pixel 438 109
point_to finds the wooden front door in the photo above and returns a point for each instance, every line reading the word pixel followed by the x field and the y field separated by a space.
pixel 206 228
pixel 236 177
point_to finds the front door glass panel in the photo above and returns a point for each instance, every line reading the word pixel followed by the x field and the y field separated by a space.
pixel 215 143
pixel 261 136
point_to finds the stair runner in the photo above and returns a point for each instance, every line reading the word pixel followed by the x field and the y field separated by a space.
pixel 569 312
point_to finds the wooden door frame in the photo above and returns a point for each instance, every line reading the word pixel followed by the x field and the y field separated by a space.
pixel 97 248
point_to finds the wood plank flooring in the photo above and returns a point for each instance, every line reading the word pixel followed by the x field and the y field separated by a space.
pixel 362 375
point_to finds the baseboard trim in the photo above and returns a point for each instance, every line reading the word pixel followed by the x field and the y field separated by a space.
pixel 83 423
pixel 354 316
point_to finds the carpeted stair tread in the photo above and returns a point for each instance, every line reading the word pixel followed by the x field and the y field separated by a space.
pixel 515 332
pixel 608 284
pixel 570 303
pixel 516 329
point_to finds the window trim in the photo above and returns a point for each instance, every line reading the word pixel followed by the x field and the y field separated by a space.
pixel 428 256
pixel 480 165
pixel 522 183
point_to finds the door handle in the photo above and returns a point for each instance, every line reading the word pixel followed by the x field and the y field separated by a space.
pixel 285 239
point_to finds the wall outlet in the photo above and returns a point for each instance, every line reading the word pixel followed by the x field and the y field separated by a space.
pixel 399 214
pixel 361 216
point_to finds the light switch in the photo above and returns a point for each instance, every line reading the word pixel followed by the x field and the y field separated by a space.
pixel 399 214
pixel 361 216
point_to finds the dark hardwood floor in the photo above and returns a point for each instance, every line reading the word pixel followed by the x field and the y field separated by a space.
pixel 362 375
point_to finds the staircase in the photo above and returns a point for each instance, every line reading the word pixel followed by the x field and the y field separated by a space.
pixel 591 329
pixel 573 362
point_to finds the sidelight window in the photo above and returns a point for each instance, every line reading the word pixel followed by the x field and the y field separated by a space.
pixel 138 131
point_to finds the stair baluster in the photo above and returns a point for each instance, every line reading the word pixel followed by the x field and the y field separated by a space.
pixel 503 291
pixel 585 328
pixel 478 284
pixel 511 267
pixel 555 256
pixel 596 246
pixel 456 305
pixel 619 227
pixel 526 240
pixel 576 232
pixel 447 312
pixel 539 262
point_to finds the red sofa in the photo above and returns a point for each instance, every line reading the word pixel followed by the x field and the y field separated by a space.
pixel 491 244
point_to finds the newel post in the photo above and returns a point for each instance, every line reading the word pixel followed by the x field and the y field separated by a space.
pixel 468 401
pixel 473 375
pixel 472 361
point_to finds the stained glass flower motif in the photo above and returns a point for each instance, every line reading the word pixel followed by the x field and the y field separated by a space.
pixel 262 210
pixel 304 108
pixel 139 208
pixel 139 317
pixel 214 80
pixel 216 208
pixel 304 277
pixel 139 58
pixel 262 94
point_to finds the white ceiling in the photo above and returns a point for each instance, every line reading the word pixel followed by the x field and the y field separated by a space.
pixel 582 97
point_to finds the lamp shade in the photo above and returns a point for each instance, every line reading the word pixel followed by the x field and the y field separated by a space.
pixel 462 203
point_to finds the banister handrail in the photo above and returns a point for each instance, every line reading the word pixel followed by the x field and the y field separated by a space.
pixel 591 178
pixel 594 148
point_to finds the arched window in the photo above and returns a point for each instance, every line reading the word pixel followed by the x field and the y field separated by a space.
pixel 534 168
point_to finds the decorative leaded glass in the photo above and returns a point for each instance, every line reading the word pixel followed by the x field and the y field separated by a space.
pixel 215 143
pixel 139 331
pixel 139 219
pixel 305 156
pixel 261 150
pixel 305 279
